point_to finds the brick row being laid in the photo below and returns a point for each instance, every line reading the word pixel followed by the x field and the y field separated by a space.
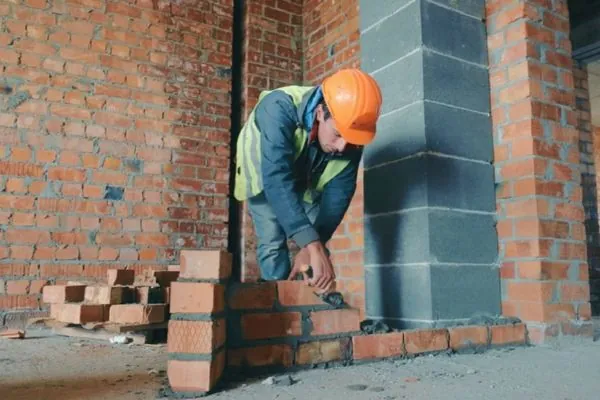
pixel 197 335
pixel 284 324
pixel 125 298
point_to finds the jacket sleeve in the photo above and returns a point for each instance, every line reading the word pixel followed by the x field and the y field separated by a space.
pixel 336 198
pixel 276 119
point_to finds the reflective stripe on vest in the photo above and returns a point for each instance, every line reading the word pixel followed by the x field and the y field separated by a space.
pixel 248 179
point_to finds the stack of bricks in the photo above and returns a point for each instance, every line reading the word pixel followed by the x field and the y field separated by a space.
pixel 125 299
pixel 197 328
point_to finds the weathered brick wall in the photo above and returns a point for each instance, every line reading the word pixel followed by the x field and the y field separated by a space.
pixel 588 145
pixel 272 58
pixel 331 42
pixel 114 137
pixel 540 209
pixel 594 255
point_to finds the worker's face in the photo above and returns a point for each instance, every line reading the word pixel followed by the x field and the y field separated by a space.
pixel 329 138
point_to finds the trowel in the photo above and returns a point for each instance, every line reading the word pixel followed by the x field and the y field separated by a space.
pixel 329 295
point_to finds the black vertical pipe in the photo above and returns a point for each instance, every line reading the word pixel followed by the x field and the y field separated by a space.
pixel 235 222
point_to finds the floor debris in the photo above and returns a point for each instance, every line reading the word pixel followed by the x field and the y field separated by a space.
pixel 357 387
pixel 284 380
pixel 371 327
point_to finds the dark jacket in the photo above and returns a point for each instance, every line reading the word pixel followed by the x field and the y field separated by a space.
pixel 284 181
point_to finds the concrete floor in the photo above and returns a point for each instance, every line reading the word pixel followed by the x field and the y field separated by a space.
pixel 46 367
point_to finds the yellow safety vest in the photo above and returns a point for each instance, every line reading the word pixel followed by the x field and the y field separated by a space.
pixel 248 178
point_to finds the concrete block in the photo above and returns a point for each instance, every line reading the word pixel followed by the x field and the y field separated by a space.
pixel 459 237
pixel 454 82
pixel 426 126
pixel 453 33
pixel 408 191
pixel 395 37
pixel 424 295
pixel 462 291
pixel 399 134
pixel 430 180
pixel 373 11
pixel 398 291
pixel 457 132
pixel 398 238
pixel 474 8
pixel 402 82
pixel 430 235
pixel 462 184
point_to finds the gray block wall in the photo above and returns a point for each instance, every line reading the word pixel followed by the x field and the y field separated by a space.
pixel 431 245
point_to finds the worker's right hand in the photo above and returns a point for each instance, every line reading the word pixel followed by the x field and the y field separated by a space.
pixel 323 273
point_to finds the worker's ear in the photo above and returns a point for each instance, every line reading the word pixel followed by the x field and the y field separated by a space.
pixel 320 113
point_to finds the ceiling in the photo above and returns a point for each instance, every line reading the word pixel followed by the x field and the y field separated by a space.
pixel 594 85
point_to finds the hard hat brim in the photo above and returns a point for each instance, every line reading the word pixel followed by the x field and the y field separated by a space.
pixel 358 137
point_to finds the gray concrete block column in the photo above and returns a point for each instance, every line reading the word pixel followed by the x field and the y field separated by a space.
pixel 431 246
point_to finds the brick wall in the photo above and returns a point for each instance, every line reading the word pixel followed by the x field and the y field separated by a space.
pixel 594 255
pixel 539 195
pixel 114 137
pixel 272 58
pixel 331 42
pixel 588 145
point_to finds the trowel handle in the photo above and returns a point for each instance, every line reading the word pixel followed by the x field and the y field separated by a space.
pixel 307 271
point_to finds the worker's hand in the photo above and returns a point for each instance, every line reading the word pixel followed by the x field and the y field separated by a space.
pixel 301 260
pixel 323 273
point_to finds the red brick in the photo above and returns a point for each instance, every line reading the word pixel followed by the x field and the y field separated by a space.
pixel 323 351
pixel 468 337
pixel 271 325
pixel 197 297
pixel 332 322
pixel 205 264
pixel 107 294
pixel 543 270
pixel 63 294
pixel 570 292
pixel 149 295
pixel 120 277
pixel 584 312
pixel 10 302
pixel 196 337
pixel 261 356
pixel 78 313
pixel 531 291
pixel 137 313
pixel 195 376
pixel 425 340
pixel 252 296
pixel 17 287
pixel 37 286
pixel 508 334
pixel 297 293
pixel 378 346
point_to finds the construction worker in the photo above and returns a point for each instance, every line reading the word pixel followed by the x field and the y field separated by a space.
pixel 297 160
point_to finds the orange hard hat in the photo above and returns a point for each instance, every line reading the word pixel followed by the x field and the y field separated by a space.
pixel 354 100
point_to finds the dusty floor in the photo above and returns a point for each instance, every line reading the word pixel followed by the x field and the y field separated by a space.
pixel 49 367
